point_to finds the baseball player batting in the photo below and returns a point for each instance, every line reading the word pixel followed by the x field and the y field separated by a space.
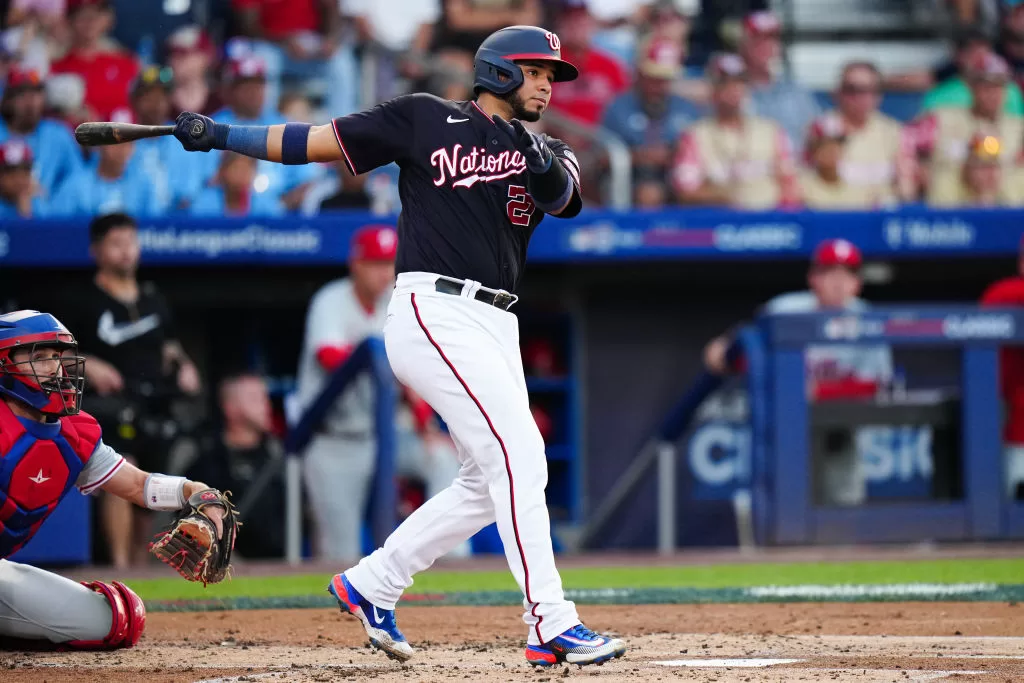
pixel 474 183
pixel 47 446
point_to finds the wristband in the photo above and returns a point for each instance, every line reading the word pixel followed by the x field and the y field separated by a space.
pixel 248 140
pixel 294 143
pixel 164 492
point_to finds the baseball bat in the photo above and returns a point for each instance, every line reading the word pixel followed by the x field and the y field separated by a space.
pixel 112 133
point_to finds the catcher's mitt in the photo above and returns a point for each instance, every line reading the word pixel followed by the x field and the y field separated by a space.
pixel 191 545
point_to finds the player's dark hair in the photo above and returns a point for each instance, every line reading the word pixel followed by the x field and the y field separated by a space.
pixel 102 225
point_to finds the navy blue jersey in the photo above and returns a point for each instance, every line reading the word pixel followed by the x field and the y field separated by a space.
pixel 465 209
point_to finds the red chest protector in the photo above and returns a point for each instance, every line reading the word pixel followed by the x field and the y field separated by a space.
pixel 39 463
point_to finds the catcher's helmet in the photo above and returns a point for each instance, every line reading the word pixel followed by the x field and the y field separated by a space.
pixel 51 394
pixel 497 56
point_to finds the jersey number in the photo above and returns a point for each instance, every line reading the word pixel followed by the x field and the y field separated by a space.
pixel 520 206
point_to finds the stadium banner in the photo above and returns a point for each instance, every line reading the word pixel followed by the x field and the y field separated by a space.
pixel 678 234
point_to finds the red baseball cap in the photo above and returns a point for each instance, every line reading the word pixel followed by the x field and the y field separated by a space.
pixel 761 23
pixel 660 58
pixel 15 153
pixel 374 243
pixel 988 66
pixel 23 79
pixel 188 39
pixel 837 253
pixel 246 67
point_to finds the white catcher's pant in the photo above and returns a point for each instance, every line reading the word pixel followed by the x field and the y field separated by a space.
pixel 462 357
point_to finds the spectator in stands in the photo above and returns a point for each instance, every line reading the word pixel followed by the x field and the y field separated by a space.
pixel 301 40
pixel 110 185
pixel 585 100
pixel 1010 292
pixel 780 99
pixel 731 158
pixel 946 83
pixel 870 139
pixel 106 69
pixel 400 33
pixel 17 196
pixel 236 457
pixel 34 30
pixel 938 140
pixel 246 92
pixel 135 363
pixel 376 191
pixel 823 186
pixel 835 372
pixel 983 180
pixel 57 155
pixel 465 23
pixel 650 118
pixel 339 461
pixel 952 88
pixel 191 56
pixel 234 191
pixel 162 158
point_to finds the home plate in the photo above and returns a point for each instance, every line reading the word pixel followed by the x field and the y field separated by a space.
pixel 719 663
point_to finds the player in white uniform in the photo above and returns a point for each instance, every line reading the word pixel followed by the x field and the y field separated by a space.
pixel 837 371
pixel 340 460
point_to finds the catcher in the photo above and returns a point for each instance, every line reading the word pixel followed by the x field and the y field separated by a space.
pixel 47 445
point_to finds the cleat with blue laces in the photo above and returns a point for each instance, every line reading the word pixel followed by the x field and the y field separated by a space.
pixel 579 645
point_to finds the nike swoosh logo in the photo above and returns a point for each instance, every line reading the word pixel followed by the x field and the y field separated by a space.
pixel 377 617
pixel 115 334
pixel 451 120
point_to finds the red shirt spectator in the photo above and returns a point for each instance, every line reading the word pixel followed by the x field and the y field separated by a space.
pixel 280 19
pixel 107 71
pixel 585 99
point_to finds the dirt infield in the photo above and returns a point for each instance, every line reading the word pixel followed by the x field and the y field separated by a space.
pixel 862 642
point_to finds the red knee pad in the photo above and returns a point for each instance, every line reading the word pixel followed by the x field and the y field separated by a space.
pixel 128 617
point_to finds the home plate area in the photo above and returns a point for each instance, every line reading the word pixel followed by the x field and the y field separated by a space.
pixel 722 643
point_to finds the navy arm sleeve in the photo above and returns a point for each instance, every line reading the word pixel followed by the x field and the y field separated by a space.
pixel 378 136
pixel 566 157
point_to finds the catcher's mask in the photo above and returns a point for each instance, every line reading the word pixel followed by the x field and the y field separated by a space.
pixel 53 386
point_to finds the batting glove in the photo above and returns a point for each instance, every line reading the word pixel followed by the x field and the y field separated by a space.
pixel 532 146
pixel 195 132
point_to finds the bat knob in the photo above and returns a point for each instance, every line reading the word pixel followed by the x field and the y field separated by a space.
pixel 197 129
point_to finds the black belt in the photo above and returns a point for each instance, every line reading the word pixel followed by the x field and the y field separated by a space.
pixel 502 300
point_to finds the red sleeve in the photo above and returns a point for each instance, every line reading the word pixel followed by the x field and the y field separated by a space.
pixel 422 413
pixel 331 357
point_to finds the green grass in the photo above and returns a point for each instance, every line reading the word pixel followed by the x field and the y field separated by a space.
pixel 1000 571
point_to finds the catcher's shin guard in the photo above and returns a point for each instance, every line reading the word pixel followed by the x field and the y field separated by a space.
pixel 128 618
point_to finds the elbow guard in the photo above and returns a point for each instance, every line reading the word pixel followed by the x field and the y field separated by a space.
pixel 552 189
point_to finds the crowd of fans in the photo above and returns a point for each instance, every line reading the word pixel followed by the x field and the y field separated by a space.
pixel 728 130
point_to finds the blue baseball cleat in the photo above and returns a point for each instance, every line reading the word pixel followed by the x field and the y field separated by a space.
pixel 379 623
pixel 579 645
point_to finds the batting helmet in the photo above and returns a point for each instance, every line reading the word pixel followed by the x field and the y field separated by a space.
pixel 58 393
pixel 495 69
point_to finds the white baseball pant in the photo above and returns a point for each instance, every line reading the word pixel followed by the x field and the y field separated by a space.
pixel 40 605
pixel 462 357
